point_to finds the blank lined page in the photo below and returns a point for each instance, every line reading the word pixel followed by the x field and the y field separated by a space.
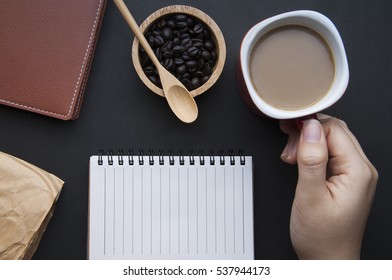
pixel 167 210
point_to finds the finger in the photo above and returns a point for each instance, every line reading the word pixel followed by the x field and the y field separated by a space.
pixel 288 126
pixel 312 158
pixel 290 151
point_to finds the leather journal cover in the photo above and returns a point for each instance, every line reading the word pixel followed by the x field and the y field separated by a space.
pixel 46 49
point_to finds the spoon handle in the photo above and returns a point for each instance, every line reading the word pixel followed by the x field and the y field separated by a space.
pixel 136 30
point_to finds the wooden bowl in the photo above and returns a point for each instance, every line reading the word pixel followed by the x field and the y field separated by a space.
pixel 216 35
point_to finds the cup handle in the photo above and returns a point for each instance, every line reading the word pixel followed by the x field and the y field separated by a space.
pixel 300 121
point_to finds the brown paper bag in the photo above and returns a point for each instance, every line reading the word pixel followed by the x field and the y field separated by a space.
pixel 28 196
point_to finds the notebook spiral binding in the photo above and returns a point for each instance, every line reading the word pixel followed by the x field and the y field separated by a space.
pixel 201 157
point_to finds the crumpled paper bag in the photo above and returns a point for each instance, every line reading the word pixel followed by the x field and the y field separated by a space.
pixel 28 195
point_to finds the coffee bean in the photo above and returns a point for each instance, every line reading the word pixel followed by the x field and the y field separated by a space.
pixel 209 45
pixel 198 28
pixel 198 74
pixel 181 24
pixel 158 41
pixel 185 55
pixel 181 69
pixel 193 51
pixel 167 46
pixel 167 54
pixel 168 63
pixel 149 70
pixel 204 79
pixel 178 61
pixel 171 24
pixel 186 43
pixel 206 55
pixel 200 64
pixel 167 33
pixel 187 83
pixel 187 76
pixel 176 41
pixel 181 17
pixel 195 82
pixel 191 65
pixel 161 23
pixel 178 49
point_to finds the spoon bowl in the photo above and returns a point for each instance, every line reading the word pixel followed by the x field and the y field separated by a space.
pixel 178 97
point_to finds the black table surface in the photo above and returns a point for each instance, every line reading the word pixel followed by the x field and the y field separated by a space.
pixel 120 112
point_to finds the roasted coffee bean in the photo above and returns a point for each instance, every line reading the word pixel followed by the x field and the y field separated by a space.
pixel 158 53
pixel 187 76
pixel 171 24
pixel 198 28
pixel 161 23
pixel 206 55
pixel 191 22
pixel 168 63
pixel 195 82
pixel 149 70
pixel 181 24
pixel 167 33
pixel 167 46
pixel 204 79
pixel 167 54
pixel 191 65
pixel 209 45
pixel 181 17
pixel 206 33
pixel 186 43
pixel 207 70
pixel 176 41
pixel 184 36
pixel 181 70
pixel 178 61
pixel 200 64
pixel 150 39
pixel 193 51
pixel 198 74
pixel 187 83
pixel 155 80
pixel 158 41
pixel 178 49
pixel 185 55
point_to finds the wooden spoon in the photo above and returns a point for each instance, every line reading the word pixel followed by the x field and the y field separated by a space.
pixel 179 98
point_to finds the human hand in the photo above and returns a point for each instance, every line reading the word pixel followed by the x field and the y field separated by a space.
pixel 335 189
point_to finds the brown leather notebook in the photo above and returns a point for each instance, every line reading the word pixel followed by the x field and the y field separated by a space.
pixel 46 49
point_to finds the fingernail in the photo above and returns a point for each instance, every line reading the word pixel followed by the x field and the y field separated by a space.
pixel 311 131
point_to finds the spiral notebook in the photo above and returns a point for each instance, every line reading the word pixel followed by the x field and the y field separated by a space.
pixel 170 207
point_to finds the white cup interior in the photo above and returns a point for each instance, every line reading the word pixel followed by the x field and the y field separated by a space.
pixel 327 30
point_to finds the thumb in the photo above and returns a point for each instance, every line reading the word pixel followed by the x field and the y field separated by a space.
pixel 312 157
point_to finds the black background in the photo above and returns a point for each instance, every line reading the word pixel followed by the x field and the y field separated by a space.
pixel 120 112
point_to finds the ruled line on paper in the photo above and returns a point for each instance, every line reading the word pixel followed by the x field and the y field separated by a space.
pixel 160 210
pixel 151 212
pixel 206 213
pixel 133 210
pixel 169 213
pixel 141 212
pixel 224 209
pixel 197 211
pixel 178 195
pixel 104 214
pixel 243 210
pixel 123 214
pixel 234 209
pixel 187 177
pixel 216 234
